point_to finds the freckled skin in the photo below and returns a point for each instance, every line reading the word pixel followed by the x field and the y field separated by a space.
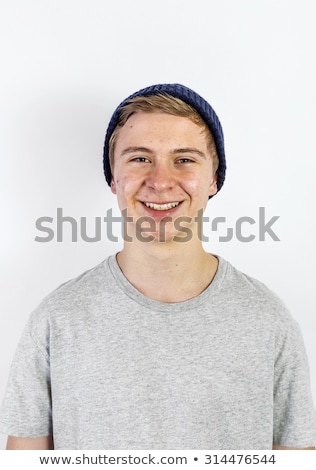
pixel 162 177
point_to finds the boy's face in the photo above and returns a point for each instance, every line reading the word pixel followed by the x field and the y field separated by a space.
pixel 162 169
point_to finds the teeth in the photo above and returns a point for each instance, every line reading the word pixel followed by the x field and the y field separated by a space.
pixel 161 207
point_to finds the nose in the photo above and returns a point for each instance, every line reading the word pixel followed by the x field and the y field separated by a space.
pixel 160 177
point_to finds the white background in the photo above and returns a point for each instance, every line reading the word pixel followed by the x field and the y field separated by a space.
pixel 65 66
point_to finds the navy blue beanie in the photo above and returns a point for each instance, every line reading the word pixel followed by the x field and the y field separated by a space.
pixel 188 96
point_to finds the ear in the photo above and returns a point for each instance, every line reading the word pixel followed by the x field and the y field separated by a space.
pixel 213 185
pixel 113 187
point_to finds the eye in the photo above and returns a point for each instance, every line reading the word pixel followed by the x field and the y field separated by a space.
pixel 140 159
pixel 185 160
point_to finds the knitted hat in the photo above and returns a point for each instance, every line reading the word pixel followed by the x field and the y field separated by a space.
pixel 188 96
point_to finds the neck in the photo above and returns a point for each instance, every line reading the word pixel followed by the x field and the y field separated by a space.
pixel 170 272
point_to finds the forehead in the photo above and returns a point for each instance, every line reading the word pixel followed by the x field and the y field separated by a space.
pixel 160 127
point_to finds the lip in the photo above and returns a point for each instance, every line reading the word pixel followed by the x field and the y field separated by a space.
pixel 161 202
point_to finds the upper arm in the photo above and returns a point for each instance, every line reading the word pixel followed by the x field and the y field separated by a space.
pixel 294 417
pixel 25 443
pixel 277 447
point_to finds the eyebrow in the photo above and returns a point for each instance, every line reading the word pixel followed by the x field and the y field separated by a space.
pixel 175 151
pixel 189 150
pixel 136 149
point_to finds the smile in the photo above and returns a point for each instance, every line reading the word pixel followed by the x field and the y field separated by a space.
pixel 161 207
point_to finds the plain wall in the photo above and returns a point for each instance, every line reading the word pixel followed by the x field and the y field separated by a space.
pixel 67 64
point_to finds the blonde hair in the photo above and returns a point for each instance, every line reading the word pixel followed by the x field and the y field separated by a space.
pixel 162 103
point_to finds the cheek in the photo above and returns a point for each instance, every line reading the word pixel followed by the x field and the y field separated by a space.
pixel 196 186
pixel 193 187
pixel 124 185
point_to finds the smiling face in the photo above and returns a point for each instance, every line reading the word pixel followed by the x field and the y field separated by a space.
pixel 163 170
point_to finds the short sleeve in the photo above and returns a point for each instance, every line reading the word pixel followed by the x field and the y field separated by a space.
pixel 26 409
pixel 294 414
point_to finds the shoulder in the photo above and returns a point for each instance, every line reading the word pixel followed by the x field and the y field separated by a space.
pixel 244 290
pixel 251 302
pixel 76 295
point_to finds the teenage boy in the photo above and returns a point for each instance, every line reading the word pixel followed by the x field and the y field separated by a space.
pixel 163 346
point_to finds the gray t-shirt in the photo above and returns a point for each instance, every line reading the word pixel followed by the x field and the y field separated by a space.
pixel 101 366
